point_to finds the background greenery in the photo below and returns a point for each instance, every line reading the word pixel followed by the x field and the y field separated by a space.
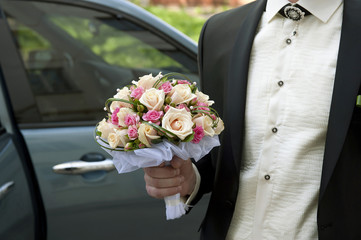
pixel 188 21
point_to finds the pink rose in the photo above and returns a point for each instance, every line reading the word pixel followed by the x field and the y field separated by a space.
pixel 180 106
pixel 153 116
pixel 141 145
pixel 166 108
pixel 198 134
pixel 131 119
pixel 183 82
pixel 166 87
pixel 137 93
pixel 114 117
pixel 204 106
pixel 132 132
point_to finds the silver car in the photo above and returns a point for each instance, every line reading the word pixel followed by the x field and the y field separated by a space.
pixel 59 61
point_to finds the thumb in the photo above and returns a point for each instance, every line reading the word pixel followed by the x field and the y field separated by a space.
pixel 177 162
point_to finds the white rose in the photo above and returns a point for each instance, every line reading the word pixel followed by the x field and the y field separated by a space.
pixel 123 112
pixel 106 128
pixel 153 99
pixel 220 127
pixel 147 81
pixel 181 93
pixel 178 121
pixel 147 133
pixel 124 93
pixel 118 138
pixel 206 123
pixel 204 98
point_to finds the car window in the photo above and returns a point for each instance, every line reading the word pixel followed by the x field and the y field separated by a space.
pixel 76 57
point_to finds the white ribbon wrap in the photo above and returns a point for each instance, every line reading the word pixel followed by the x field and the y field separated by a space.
pixel 163 152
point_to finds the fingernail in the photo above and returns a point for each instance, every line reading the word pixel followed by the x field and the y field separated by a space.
pixel 179 189
pixel 177 171
pixel 181 179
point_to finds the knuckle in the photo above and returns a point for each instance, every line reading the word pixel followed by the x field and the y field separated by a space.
pixel 146 178
pixel 153 192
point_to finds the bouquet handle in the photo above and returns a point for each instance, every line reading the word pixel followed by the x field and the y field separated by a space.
pixel 175 207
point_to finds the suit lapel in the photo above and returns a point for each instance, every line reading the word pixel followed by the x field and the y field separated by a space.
pixel 346 87
pixel 237 79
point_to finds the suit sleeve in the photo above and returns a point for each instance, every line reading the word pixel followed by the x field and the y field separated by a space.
pixel 204 165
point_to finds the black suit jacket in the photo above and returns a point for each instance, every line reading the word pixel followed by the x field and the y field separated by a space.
pixel 224 50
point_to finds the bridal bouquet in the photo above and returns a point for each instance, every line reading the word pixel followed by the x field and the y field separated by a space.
pixel 155 118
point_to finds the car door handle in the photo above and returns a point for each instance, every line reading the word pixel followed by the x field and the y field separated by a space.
pixel 5 189
pixel 81 167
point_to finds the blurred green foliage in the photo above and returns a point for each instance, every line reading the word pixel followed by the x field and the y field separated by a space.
pixel 186 22
pixel 115 45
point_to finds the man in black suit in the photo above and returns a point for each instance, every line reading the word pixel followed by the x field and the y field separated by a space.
pixel 323 200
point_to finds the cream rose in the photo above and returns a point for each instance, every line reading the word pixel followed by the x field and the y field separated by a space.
pixel 206 123
pixel 105 128
pixel 124 93
pixel 178 121
pixel 123 112
pixel 118 138
pixel 147 133
pixel 220 127
pixel 204 98
pixel 181 93
pixel 147 81
pixel 153 99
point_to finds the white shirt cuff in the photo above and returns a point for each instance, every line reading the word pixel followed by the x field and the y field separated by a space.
pixel 196 187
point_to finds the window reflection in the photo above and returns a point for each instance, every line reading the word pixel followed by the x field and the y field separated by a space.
pixel 75 58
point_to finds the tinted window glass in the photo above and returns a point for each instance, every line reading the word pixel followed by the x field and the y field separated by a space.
pixel 75 58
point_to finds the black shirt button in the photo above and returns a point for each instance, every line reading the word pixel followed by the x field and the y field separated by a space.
pixel 288 41
pixel 280 83
pixel 274 130
pixel 267 177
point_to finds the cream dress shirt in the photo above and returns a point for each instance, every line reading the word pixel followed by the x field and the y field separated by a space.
pixel 290 83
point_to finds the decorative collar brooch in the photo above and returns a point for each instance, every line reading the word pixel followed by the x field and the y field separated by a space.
pixel 294 12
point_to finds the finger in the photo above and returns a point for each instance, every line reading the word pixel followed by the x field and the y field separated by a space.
pixel 162 192
pixel 162 172
pixel 163 183
pixel 177 162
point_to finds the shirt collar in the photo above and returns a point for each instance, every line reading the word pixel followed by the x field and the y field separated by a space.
pixel 321 9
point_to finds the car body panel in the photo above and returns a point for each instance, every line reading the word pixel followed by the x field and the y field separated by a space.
pixel 58 121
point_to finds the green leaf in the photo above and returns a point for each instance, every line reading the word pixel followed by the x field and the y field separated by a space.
pixel 358 101
pixel 189 138
pixel 110 100
pixel 156 141
pixel 98 133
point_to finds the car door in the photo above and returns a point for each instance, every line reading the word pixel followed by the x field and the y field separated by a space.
pixel 21 209
pixel 68 58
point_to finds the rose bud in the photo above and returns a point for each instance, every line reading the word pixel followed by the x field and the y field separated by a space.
pixel 141 145
pixel 168 100
pixel 128 146
pixel 193 102
pixel 140 108
pixel 193 88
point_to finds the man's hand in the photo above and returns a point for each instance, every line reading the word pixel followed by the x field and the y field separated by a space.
pixel 163 181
